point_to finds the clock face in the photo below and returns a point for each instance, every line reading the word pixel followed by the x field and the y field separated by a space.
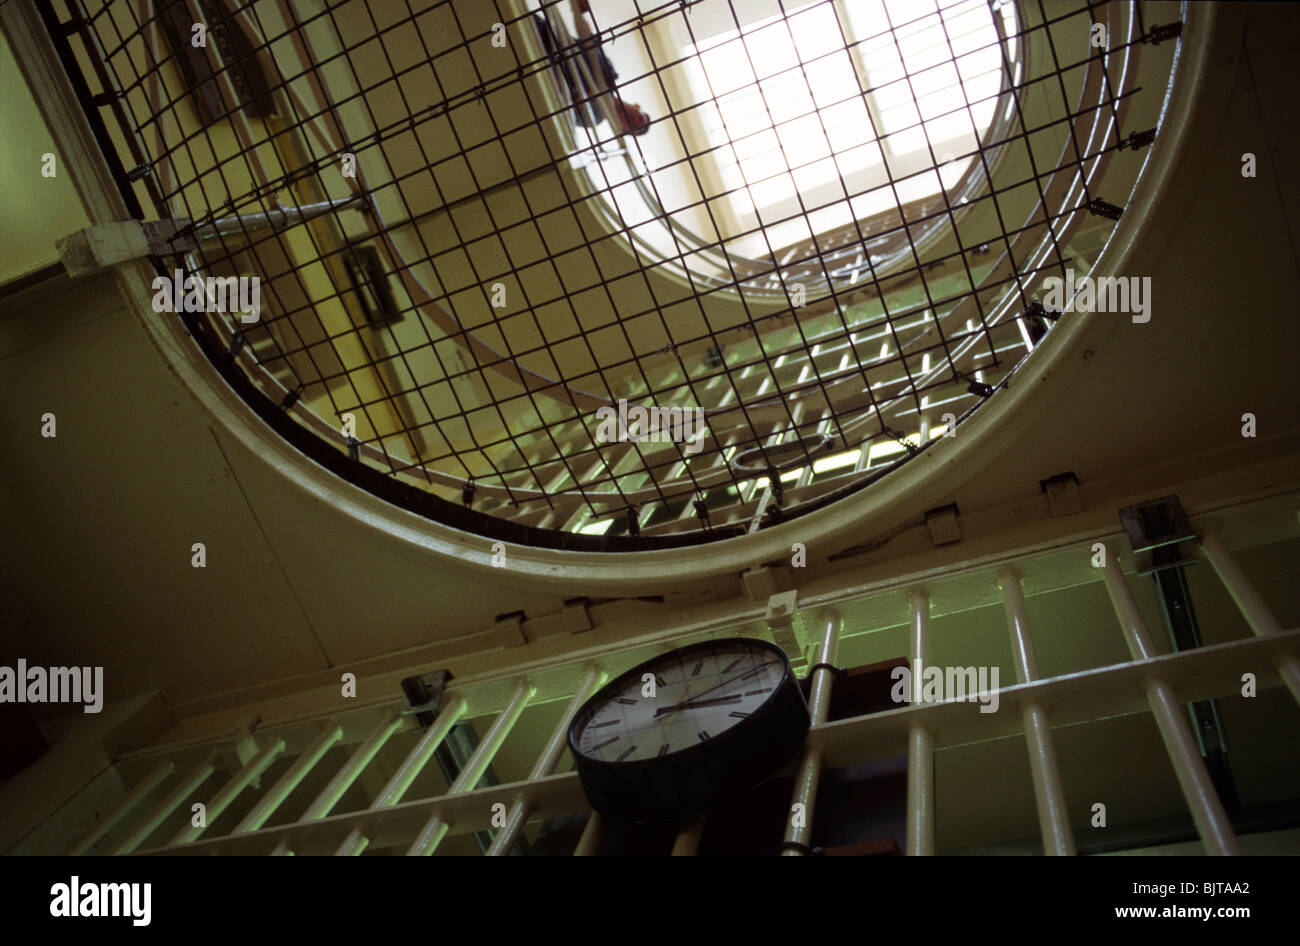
pixel 679 701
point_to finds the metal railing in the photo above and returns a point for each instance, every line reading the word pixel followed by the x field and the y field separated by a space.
pixel 1150 682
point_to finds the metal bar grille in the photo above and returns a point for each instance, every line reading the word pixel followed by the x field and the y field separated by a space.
pixel 470 242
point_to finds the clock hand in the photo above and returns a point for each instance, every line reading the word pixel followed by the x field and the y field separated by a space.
pixel 685 694
pixel 717 686
pixel 697 702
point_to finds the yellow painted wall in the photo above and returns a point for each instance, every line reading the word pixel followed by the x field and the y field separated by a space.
pixel 34 210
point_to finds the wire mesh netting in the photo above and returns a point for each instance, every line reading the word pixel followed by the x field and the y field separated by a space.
pixel 619 274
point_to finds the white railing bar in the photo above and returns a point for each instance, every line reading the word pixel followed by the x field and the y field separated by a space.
pixel 1207 810
pixel 920 742
pixel 687 842
pixel 406 773
pixel 230 791
pixel 108 819
pixel 1053 817
pixel 150 822
pixel 1075 698
pixel 276 795
pixel 1252 606
pixel 798 830
pixel 1080 697
pixel 351 771
pixel 435 829
pixel 589 843
pixel 546 763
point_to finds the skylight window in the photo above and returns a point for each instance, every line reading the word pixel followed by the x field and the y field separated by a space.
pixel 816 111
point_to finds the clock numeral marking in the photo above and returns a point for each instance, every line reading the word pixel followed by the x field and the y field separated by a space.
pixel 759 669
pixel 659 681
pixel 704 735
pixel 696 671
pixel 738 714
pixel 760 690
pixel 625 701
pixel 612 722
pixel 732 666
pixel 663 750
pixel 626 752
pixel 607 742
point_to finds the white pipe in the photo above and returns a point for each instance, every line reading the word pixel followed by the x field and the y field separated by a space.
pixel 545 764
pixel 406 773
pixel 435 829
pixel 352 769
pixel 115 814
pixel 687 843
pixel 1053 818
pixel 1131 624
pixel 920 743
pixel 150 822
pixel 281 790
pixel 1049 794
pixel 230 791
pixel 589 843
pixel 1207 810
pixel 798 828
pixel 1252 606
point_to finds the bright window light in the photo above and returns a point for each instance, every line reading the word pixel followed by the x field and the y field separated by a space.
pixel 885 448
pixel 820 107
pixel 837 462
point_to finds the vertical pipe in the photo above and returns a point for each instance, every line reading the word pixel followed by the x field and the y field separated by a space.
pixel 1207 810
pixel 798 830
pixel 1053 819
pixel 687 843
pixel 352 769
pixel 281 790
pixel 589 843
pixel 1251 605
pixel 230 791
pixel 435 829
pixel 411 766
pixel 108 819
pixel 150 822
pixel 920 743
pixel 545 764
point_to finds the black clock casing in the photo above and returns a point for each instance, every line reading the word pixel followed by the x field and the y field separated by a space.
pixel 680 785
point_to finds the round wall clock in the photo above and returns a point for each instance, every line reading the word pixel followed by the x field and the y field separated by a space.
pixel 671 737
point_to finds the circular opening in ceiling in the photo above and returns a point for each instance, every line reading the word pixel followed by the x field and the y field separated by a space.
pixel 585 276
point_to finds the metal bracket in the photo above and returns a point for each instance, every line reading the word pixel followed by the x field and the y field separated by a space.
pixel 104 245
pixel 1101 208
pixel 1140 139
pixel 1154 525
pixel 1160 34
pixel 1062 491
pixel 943 524
pixel 508 631
pixel 780 618
pixel 424 694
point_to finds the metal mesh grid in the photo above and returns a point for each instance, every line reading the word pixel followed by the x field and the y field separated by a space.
pixel 513 252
